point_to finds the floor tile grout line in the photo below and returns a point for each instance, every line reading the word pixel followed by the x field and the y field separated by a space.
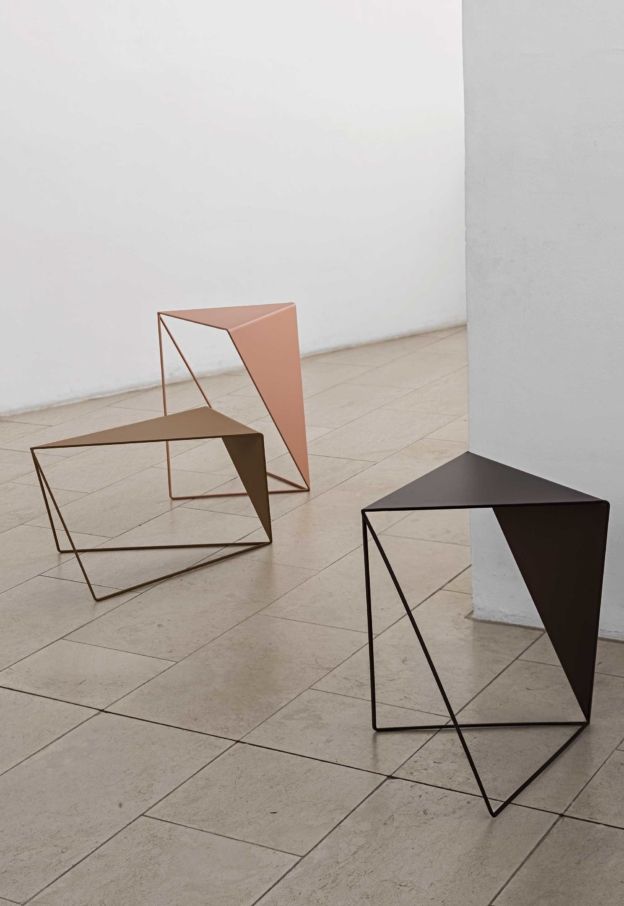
pixel 318 843
pixel 213 833
pixel 338 764
pixel 357 698
pixel 150 657
pixel 586 784
pixel 121 829
pixel 459 711
pixel 549 664
pixel 56 738
pixel 525 860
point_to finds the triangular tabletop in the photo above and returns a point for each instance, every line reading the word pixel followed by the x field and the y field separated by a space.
pixel 228 318
pixel 471 481
pixel 191 424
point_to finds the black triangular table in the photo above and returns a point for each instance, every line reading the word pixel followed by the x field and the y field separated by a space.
pixel 558 538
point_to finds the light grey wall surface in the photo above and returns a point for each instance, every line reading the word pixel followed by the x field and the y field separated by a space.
pixel 544 99
pixel 160 155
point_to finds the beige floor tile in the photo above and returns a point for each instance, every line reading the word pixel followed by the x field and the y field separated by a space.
pixel 232 684
pixel 183 525
pixel 449 395
pixel 14 464
pixel 372 355
pixel 64 801
pixel 29 550
pixel 467 654
pixel 417 368
pixel 152 863
pixel 43 610
pixel 20 503
pixel 9 429
pixel 82 674
pixel 378 434
pixel 338 728
pixel 344 403
pixel 184 394
pixel 336 597
pixel 317 534
pixel 326 472
pixel 455 431
pixel 463 583
pixel 507 757
pixel 95 420
pixel 176 617
pixel 577 863
pixel 610 657
pixel 30 722
pixel 98 467
pixel 120 506
pixel 206 456
pixel 410 845
pixel 69 412
pixel 319 375
pixel 424 456
pixel 267 797
pixel 602 799
pixel 124 569
pixel 451 526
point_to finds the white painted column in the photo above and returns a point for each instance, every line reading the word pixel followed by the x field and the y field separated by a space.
pixel 544 97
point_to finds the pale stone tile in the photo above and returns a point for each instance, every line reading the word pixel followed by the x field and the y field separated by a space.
pixel 272 798
pixel 29 550
pixel 372 355
pixel 339 405
pixel 455 431
pixel 67 799
pixel 409 844
pixel 326 472
pixel 417 368
pixel 30 722
pixel 505 758
pixel 67 412
pixel 185 525
pixel 602 799
pixel 43 610
pixel 451 526
pixel 9 430
pixel 336 596
pixel 184 394
pixel 610 658
pixel 14 464
pixel 338 728
pixel 176 617
pixel 82 674
pixel 120 506
pixel 20 503
pixel 152 863
pixel 462 583
pixel 232 684
pixel 98 467
pixel 448 394
pixel 467 654
pixel 576 863
pixel 96 420
pixel 378 434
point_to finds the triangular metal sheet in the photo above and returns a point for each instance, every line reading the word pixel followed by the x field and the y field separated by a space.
pixel 269 348
pixel 559 550
pixel 247 454
pixel 190 424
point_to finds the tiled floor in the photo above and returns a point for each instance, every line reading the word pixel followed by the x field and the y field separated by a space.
pixel 207 740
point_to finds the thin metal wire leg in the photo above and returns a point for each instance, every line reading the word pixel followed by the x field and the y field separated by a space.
pixel 455 723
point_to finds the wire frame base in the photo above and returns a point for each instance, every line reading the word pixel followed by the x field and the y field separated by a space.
pixel 455 724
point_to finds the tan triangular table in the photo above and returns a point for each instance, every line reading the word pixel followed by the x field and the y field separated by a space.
pixel 246 449
pixel 267 341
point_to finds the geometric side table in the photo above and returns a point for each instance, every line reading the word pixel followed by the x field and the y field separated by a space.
pixel 267 341
pixel 558 539
pixel 244 445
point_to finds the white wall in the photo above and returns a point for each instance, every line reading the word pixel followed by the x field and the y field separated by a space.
pixel 179 153
pixel 545 237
